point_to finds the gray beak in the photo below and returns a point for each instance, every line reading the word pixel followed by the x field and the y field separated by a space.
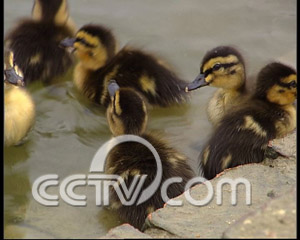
pixel 112 87
pixel 12 77
pixel 197 83
pixel 68 43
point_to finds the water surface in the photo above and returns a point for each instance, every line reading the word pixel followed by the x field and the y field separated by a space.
pixel 69 130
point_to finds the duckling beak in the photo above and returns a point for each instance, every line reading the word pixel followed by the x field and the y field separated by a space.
pixel 197 83
pixel 68 43
pixel 12 77
pixel 112 87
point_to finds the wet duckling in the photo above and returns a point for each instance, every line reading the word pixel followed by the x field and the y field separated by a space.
pixel 127 114
pixel 95 47
pixel 243 134
pixel 35 41
pixel 222 67
pixel 19 108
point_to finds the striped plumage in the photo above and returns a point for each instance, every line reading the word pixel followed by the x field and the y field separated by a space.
pixel 127 114
pixel 244 133
pixel 222 67
pixel 99 61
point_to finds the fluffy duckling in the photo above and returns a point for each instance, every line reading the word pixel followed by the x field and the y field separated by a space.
pixel 35 41
pixel 19 108
pixel 222 67
pixel 243 134
pixel 95 47
pixel 127 114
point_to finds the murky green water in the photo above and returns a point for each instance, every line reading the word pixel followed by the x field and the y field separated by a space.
pixel 69 130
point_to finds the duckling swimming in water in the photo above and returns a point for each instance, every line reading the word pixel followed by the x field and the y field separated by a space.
pixel 243 134
pixel 127 114
pixel 222 67
pixel 95 47
pixel 19 108
pixel 35 41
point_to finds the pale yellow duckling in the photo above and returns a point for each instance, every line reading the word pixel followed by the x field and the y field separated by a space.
pixel 19 108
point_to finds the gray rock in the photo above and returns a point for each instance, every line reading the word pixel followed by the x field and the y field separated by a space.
pixel 211 220
pixel 276 219
pixel 286 165
pixel 159 233
pixel 286 145
pixel 124 231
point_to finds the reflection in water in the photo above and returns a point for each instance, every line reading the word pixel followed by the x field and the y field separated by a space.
pixel 108 219
pixel 69 130
pixel 16 190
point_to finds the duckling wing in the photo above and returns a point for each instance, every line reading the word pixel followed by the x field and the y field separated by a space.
pixel 148 75
pixel 242 137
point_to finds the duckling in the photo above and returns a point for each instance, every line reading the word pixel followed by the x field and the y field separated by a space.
pixel 19 108
pixel 222 67
pixel 99 61
pixel 35 41
pixel 243 134
pixel 127 114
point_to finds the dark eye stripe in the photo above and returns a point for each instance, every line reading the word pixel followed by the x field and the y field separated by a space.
pixel 224 65
pixel 288 85
pixel 81 40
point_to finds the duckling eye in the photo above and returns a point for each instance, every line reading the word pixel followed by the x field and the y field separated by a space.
pixel 293 84
pixel 281 91
pixel 81 40
pixel 216 66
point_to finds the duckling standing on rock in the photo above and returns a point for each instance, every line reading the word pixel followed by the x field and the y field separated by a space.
pixel 127 114
pixel 95 46
pixel 19 109
pixel 243 134
pixel 35 41
pixel 222 67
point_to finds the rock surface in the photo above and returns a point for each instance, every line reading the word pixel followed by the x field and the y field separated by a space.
pixel 159 233
pixel 124 231
pixel 286 146
pixel 276 219
pixel 272 212
pixel 211 220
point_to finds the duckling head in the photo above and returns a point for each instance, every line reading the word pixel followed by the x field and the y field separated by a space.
pixel 94 45
pixel 12 73
pixel 277 83
pixel 222 67
pixel 54 11
pixel 126 113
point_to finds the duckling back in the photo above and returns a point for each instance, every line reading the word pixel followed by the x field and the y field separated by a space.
pixel 35 42
pixel 132 159
pixel 127 114
pixel 148 76
pixel 244 133
pixel 242 137
pixel 96 49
